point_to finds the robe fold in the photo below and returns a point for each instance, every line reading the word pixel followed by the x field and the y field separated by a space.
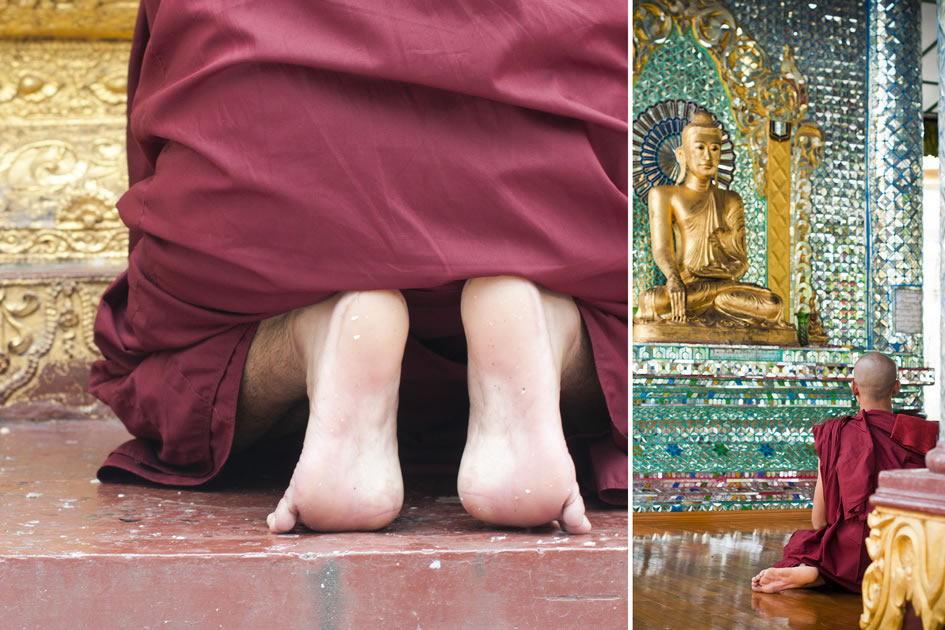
pixel 853 450
pixel 280 152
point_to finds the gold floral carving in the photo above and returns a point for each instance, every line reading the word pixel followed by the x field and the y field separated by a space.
pixel 652 26
pixel 45 323
pixel 67 82
pixel 86 19
pixel 759 93
pixel 37 244
pixel 908 552
pixel 62 151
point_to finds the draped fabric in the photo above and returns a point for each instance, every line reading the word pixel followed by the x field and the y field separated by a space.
pixel 853 450
pixel 280 152
pixel 710 245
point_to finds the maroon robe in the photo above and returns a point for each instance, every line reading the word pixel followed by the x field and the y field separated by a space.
pixel 280 152
pixel 853 450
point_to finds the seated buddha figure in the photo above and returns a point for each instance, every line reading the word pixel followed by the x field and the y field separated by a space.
pixel 697 231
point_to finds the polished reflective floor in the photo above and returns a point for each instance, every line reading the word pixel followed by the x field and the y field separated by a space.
pixel 694 571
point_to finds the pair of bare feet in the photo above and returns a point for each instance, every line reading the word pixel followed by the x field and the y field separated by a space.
pixel 774 579
pixel 515 469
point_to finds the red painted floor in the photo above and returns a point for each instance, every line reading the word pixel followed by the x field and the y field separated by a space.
pixel 82 554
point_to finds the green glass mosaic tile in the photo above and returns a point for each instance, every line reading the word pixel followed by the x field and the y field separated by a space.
pixel 830 42
pixel 764 362
pixel 685 437
pixel 894 162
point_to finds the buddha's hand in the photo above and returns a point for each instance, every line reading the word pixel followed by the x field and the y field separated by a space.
pixel 676 291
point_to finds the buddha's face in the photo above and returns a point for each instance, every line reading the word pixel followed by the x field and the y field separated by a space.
pixel 700 151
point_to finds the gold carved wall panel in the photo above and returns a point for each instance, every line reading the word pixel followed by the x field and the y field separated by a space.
pixel 92 19
pixel 46 343
pixel 62 150
pixel 62 170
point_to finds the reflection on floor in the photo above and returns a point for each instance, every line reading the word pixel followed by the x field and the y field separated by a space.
pixel 694 571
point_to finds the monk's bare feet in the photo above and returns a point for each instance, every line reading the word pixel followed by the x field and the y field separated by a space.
pixel 516 469
pixel 348 476
pixel 774 580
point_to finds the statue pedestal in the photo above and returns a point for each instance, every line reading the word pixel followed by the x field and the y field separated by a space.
pixel 674 332
pixel 721 427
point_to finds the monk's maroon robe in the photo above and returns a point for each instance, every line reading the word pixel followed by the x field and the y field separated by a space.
pixel 853 450
pixel 280 152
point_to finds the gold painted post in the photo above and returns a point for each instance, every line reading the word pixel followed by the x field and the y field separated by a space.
pixel 779 212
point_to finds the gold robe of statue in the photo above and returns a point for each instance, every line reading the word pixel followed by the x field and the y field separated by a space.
pixel 697 232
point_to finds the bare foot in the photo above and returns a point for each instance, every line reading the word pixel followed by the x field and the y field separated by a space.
pixel 516 469
pixel 774 580
pixel 348 476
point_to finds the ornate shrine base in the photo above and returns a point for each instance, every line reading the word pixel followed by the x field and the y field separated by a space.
pixel 729 427
pixel 907 545
pixel 646 332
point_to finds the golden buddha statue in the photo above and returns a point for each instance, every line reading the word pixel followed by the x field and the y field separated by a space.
pixel 697 231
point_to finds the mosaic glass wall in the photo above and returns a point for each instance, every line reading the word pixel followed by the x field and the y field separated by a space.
pixel 730 427
pixel 895 166
pixel 682 69
pixel 830 43
pixel 715 431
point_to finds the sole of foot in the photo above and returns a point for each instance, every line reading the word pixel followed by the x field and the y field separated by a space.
pixel 348 476
pixel 774 580
pixel 516 469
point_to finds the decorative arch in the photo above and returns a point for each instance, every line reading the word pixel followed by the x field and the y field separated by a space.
pixel 766 103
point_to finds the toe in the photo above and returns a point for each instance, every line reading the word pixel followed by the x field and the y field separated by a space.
pixel 573 519
pixel 284 517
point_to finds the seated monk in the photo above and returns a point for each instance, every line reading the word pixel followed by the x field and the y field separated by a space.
pixel 345 224
pixel 852 451
pixel 709 257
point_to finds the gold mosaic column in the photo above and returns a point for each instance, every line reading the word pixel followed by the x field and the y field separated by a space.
pixel 62 168
pixel 779 213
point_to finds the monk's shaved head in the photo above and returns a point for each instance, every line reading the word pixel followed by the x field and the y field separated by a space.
pixel 875 374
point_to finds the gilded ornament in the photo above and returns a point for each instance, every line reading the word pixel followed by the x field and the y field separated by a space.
pixel 70 82
pixel 651 27
pixel 86 19
pixel 62 155
pixel 759 93
pixel 908 552
pixel 46 323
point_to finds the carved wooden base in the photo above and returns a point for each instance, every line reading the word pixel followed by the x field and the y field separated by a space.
pixel 907 546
